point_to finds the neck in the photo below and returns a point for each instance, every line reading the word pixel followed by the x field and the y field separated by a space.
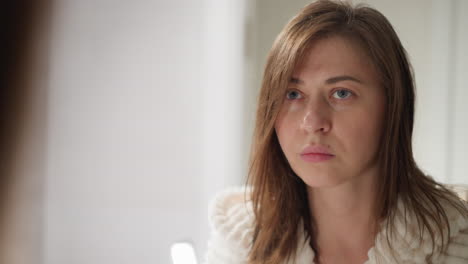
pixel 344 216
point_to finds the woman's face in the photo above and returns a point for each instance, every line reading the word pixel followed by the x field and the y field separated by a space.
pixel 330 122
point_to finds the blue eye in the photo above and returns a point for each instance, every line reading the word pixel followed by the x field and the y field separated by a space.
pixel 342 94
pixel 291 95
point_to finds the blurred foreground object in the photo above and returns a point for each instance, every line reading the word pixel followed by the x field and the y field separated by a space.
pixel 23 72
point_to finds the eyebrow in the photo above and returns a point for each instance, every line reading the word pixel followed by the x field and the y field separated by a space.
pixel 331 80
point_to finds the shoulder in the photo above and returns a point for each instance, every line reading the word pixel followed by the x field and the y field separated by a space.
pixel 232 223
pixel 232 216
pixel 407 246
pixel 457 250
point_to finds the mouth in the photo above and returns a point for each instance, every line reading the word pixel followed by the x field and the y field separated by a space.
pixel 316 153
pixel 316 157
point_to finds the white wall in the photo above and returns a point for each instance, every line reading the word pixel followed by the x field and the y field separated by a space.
pixel 145 124
pixel 459 105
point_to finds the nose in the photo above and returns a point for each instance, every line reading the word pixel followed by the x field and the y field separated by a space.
pixel 316 118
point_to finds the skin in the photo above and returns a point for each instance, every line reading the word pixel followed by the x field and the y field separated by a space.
pixel 345 115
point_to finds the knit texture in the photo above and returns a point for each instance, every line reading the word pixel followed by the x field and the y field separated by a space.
pixel 232 224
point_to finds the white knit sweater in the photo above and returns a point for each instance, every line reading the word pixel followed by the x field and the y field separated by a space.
pixel 232 223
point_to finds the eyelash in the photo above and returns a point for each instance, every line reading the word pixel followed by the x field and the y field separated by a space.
pixel 334 92
pixel 345 90
pixel 292 90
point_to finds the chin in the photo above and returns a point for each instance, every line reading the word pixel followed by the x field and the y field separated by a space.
pixel 321 180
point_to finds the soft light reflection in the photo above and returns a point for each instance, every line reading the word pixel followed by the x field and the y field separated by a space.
pixel 183 253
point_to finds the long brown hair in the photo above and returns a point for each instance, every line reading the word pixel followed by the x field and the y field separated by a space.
pixel 279 196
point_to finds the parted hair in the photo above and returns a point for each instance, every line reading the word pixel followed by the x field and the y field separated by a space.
pixel 279 196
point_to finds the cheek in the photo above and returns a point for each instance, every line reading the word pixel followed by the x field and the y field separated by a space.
pixel 288 115
pixel 361 133
pixel 286 127
pixel 281 129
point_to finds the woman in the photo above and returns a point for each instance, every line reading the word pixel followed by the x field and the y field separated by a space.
pixel 332 176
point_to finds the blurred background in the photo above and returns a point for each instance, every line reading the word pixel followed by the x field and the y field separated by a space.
pixel 145 109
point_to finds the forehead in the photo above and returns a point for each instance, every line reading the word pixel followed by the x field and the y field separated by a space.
pixel 335 55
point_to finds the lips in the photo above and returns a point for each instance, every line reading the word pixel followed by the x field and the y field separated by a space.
pixel 316 153
pixel 316 149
